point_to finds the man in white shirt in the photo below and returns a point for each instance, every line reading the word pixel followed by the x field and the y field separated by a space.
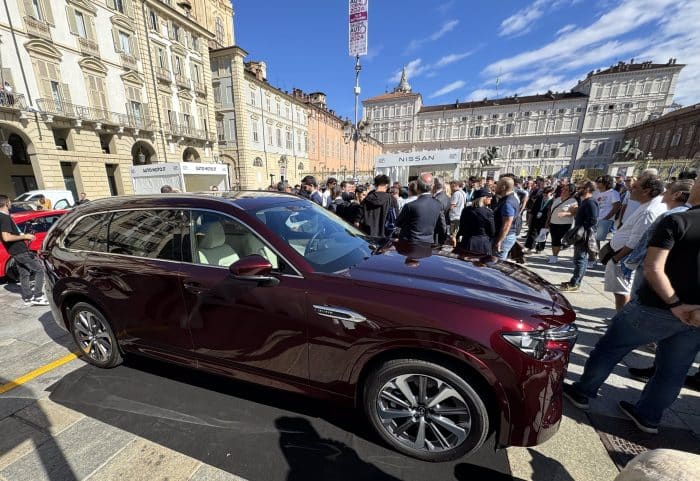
pixel 608 200
pixel 326 196
pixel 647 191
pixel 457 203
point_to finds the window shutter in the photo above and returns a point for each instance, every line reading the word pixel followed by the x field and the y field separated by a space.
pixel 134 46
pixel 171 31
pixel 90 27
pixel 26 9
pixel 65 93
pixel 46 11
pixel 70 12
pixel 102 92
pixel 111 4
pixel 127 8
pixel 115 38
pixel 7 76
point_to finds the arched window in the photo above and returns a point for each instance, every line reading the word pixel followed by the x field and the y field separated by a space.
pixel 300 166
pixel 257 162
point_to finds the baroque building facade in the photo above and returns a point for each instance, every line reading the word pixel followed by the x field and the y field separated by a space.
pixel 91 88
pixel 537 134
pixel 263 132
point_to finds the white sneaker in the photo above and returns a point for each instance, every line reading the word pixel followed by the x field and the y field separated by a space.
pixel 40 301
pixel 552 260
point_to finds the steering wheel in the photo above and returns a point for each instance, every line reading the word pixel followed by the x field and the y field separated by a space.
pixel 314 238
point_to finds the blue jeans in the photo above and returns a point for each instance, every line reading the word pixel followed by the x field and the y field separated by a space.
pixel 506 246
pixel 603 229
pixel 634 326
pixel 580 264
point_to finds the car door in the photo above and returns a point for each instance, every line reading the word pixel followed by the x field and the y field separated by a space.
pixel 242 327
pixel 135 272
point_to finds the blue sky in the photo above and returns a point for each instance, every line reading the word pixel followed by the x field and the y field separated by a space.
pixel 457 49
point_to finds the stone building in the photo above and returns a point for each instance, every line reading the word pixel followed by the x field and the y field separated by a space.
pixel 670 143
pixel 537 134
pixel 98 86
pixel 262 131
pixel 216 16
pixel 331 153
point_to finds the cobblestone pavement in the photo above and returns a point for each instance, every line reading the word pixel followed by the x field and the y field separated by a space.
pixel 45 440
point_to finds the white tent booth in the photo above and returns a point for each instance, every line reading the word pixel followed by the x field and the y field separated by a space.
pixel 183 176
pixel 405 166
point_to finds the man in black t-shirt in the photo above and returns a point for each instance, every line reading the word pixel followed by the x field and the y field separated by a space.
pixel 586 217
pixel 666 311
pixel 14 242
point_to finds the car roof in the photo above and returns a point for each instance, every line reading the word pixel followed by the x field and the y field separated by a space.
pixel 244 200
pixel 35 214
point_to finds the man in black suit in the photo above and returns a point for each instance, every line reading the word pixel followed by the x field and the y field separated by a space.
pixel 418 219
pixel 441 228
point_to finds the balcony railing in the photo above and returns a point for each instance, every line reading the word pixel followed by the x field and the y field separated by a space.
pixel 88 47
pixel 12 101
pixel 94 115
pixel 182 81
pixel 128 61
pixel 37 28
pixel 163 74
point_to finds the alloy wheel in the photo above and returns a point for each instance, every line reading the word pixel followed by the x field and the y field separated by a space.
pixel 92 336
pixel 423 412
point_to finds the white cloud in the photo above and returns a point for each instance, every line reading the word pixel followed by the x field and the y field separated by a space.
pixel 480 94
pixel 444 7
pixel 614 49
pixel 413 68
pixel 447 27
pixel 452 58
pixel 626 17
pixel 451 87
pixel 374 51
pixel 521 22
pixel 566 28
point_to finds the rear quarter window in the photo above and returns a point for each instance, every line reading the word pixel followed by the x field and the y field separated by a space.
pixel 89 234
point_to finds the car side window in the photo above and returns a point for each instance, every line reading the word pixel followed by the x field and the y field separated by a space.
pixel 220 240
pixel 38 225
pixel 147 233
pixel 84 234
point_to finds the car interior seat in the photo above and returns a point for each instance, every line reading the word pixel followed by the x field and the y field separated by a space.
pixel 212 247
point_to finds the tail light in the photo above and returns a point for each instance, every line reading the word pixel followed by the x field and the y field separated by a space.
pixel 544 345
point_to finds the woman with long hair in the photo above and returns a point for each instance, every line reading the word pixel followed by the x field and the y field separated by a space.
pixel 476 225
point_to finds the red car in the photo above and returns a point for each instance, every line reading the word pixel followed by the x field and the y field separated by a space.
pixel 29 222
pixel 438 348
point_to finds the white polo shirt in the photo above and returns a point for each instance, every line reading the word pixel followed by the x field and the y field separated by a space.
pixel 633 230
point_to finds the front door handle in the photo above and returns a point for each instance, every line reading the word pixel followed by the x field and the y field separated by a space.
pixel 194 287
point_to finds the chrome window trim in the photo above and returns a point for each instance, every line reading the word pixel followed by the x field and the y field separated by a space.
pixel 72 225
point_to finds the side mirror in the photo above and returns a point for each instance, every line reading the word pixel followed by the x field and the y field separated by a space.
pixel 253 268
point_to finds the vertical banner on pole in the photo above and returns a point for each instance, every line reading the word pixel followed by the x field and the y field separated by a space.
pixel 358 27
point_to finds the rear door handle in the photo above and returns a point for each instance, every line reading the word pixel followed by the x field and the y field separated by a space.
pixel 193 287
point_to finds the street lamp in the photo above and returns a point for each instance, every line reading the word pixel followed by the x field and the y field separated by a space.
pixel 355 132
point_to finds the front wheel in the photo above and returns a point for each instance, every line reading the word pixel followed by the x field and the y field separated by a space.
pixel 94 336
pixel 425 410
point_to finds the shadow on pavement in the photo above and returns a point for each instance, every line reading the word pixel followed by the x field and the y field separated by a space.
pixel 20 434
pixel 247 430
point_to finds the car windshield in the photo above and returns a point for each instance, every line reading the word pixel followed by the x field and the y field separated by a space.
pixel 327 243
pixel 22 197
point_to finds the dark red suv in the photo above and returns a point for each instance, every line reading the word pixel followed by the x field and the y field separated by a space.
pixel 438 348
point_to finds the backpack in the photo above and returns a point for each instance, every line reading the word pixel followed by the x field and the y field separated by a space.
pixel 390 223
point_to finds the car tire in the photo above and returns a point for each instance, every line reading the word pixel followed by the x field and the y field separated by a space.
pixel 94 336
pixel 454 426
pixel 11 271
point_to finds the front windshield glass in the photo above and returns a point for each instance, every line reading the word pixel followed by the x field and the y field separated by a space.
pixel 326 242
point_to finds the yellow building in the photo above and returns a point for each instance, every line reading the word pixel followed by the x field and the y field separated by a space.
pixel 91 88
pixel 217 17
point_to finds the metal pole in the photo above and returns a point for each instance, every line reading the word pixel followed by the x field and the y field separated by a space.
pixel 355 129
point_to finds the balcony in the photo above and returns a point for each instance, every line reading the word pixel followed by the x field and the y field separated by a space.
pixel 12 101
pixel 99 117
pixel 163 74
pixel 56 108
pixel 128 61
pixel 88 47
pixel 182 81
pixel 37 28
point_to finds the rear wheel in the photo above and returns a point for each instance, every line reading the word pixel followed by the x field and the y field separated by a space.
pixel 11 271
pixel 94 336
pixel 425 410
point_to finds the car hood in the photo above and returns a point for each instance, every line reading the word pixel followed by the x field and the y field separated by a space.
pixel 454 276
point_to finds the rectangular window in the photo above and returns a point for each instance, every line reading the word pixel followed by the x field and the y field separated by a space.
pixel 278 137
pixel 677 137
pixel 111 170
pixel 255 131
pixel 80 24
pixel 124 43
pixel 494 129
pixel 290 141
pixel 152 20
pixel 657 136
pixel 601 148
pixel 667 135
pixel 252 98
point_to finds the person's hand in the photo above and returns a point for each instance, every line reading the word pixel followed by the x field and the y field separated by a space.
pixel 685 312
pixel 498 246
pixel 29 237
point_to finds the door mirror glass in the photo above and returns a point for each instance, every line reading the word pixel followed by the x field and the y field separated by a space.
pixel 251 267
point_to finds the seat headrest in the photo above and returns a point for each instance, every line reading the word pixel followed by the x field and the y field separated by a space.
pixel 214 235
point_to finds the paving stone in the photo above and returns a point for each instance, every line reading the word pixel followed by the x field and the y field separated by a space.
pixel 49 416
pixel 210 473
pixel 18 438
pixel 72 455
pixel 14 401
pixel 144 460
